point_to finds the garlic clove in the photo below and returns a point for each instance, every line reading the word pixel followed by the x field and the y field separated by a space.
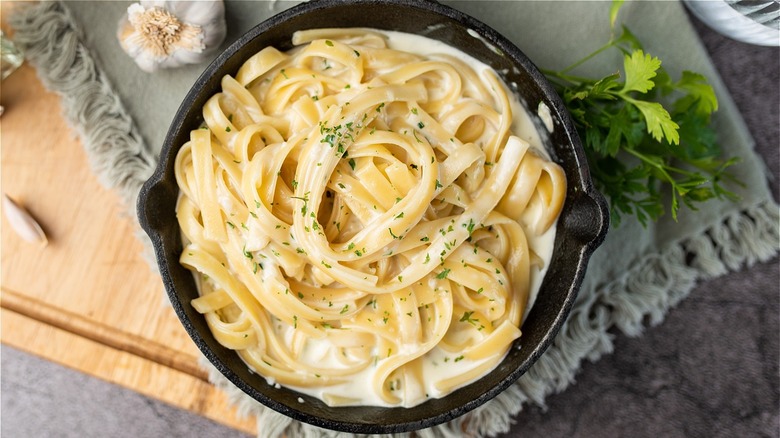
pixel 23 223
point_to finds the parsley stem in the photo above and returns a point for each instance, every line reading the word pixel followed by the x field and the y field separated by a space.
pixel 571 79
pixel 589 57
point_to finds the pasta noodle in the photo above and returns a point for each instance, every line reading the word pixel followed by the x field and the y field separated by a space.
pixel 364 223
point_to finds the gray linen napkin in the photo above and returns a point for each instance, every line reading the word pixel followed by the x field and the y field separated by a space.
pixel 123 114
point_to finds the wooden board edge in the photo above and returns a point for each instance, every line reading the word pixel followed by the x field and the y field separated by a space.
pixel 125 369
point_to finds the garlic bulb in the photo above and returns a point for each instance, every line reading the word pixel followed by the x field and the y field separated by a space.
pixel 166 34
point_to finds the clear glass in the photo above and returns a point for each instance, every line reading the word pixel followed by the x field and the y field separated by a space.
pixel 12 57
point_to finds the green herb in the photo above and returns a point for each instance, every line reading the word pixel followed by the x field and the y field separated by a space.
pixel 329 43
pixel 467 318
pixel 469 226
pixel 330 139
pixel 645 133
pixel 443 274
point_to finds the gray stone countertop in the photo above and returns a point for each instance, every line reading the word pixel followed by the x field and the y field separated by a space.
pixel 709 370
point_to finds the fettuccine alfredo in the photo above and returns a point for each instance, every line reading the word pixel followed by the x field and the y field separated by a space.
pixel 367 216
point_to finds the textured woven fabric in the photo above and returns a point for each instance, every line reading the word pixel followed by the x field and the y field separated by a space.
pixel 122 115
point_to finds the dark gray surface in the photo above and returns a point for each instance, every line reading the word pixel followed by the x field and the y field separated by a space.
pixel 43 399
pixel 710 370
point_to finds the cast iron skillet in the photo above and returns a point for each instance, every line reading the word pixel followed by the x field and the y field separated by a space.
pixel 581 227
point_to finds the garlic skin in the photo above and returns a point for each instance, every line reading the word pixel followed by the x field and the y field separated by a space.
pixel 167 34
pixel 23 223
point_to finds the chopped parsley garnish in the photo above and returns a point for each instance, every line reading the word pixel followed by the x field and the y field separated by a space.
pixel 469 226
pixel 467 318
pixel 443 274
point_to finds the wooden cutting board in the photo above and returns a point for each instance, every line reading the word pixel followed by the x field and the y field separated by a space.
pixel 88 300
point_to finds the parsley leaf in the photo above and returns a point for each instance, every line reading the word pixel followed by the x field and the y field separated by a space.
pixel 640 68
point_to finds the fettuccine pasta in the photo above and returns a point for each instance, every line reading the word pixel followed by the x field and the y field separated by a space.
pixel 363 222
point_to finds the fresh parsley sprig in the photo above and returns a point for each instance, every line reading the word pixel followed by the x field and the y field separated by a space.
pixel 643 132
